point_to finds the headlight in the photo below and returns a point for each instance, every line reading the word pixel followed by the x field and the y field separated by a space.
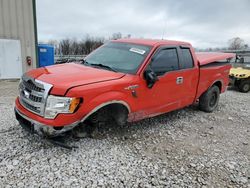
pixel 56 105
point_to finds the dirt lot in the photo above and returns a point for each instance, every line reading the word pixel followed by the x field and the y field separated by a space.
pixel 185 148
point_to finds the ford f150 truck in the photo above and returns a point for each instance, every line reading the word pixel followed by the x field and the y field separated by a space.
pixel 124 80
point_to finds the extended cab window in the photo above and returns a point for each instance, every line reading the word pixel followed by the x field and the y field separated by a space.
pixel 166 60
pixel 187 61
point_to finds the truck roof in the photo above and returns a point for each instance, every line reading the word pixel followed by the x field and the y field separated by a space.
pixel 203 57
pixel 152 42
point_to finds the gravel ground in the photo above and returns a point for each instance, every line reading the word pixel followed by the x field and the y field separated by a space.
pixel 185 148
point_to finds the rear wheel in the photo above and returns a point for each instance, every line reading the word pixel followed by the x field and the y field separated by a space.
pixel 244 86
pixel 209 100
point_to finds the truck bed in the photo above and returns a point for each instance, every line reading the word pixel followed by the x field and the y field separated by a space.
pixel 212 67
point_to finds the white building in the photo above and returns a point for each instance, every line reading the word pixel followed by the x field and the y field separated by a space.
pixel 18 38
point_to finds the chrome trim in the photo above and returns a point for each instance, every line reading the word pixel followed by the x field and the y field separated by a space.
pixel 179 80
pixel 47 88
pixel 35 104
pixel 36 93
pixel 43 129
pixel 33 94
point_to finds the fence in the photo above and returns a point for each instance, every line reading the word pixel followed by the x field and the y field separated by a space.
pixel 238 52
pixel 77 57
pixel 68 58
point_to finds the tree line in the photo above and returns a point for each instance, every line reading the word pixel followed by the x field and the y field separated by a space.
pixel 72 46
pixel 235 43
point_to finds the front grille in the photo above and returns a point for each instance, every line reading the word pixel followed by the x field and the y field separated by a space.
pixel 33 94
pixel 29 85
pixel 31 107
pixel 35 98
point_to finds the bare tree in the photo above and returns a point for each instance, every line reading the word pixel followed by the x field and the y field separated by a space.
pixel 74 47
pixel 236 43
pixel 90 44
pixel 64 46
pixel 98 42
pixel 82 47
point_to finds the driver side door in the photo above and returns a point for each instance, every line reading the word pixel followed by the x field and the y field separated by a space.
pixel 165 95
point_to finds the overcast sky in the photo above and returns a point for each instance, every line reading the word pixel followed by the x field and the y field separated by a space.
pixel 204 23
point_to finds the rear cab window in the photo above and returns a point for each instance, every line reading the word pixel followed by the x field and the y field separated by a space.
pixel 187 59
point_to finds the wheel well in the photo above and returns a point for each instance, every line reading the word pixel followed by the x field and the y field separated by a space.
pixel 114 111
pixel 219 84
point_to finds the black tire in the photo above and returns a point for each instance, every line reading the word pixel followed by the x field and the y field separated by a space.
pixel 85 130
pixel 244 86
pixel 209 100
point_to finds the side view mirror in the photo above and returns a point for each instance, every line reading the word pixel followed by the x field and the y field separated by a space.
pixel 150 78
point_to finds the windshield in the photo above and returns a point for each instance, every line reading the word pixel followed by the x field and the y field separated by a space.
pixel 121 57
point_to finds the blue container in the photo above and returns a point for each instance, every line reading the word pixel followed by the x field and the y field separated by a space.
pixel 45 55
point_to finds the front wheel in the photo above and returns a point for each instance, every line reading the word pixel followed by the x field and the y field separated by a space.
pixel 244 86
pixel 209 100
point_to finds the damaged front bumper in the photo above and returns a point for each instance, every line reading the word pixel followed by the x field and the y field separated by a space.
pixel 41 129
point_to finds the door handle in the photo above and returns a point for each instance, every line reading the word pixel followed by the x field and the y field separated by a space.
pixel 179 80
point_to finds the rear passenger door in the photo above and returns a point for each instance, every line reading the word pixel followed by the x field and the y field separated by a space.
pixel 189 74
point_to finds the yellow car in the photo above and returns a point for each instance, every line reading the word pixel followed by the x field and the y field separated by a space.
pixel 240 75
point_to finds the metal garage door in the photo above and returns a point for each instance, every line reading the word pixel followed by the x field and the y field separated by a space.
pixel 10 59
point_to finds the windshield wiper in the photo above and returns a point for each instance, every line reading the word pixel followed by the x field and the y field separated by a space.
pixel 102 66
pixel 84 61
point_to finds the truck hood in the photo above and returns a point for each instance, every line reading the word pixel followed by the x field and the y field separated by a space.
pixel 66 76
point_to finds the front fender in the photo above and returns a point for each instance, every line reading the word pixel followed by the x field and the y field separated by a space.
pixel 110 97
pixel 113 97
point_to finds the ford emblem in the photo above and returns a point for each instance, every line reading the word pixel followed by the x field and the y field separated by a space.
pixel 26 94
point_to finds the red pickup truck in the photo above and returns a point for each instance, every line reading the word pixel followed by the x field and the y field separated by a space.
pixel 124 81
